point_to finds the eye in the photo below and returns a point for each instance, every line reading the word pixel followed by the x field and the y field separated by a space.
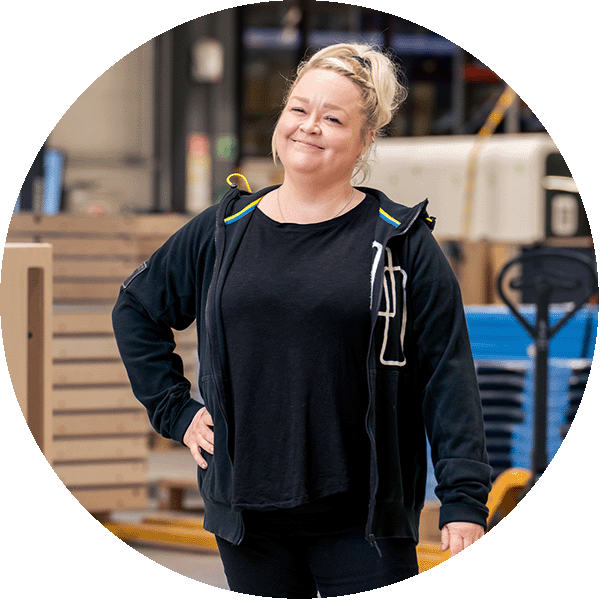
pixel 298 110
pixel 334 120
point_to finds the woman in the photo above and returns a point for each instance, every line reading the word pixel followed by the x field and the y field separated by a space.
pixel 331 336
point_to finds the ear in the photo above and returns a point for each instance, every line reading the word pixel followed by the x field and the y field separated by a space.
pixel 370 138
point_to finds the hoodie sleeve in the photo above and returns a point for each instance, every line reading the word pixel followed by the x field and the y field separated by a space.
pixel 451 401
pixel 159 296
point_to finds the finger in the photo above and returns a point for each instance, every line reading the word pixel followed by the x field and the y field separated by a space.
pixel 206 418
pixel 445 544
pixel 198 457
pixel 456 544
pixel 205 444
pixel 206 432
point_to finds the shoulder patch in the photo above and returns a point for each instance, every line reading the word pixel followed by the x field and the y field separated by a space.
pixel 429 221
pixel 141 268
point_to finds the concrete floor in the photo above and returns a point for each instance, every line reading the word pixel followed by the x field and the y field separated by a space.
pixel 203 566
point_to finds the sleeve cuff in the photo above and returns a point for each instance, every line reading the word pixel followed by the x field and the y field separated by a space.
pixel 461 512
pixel 186 416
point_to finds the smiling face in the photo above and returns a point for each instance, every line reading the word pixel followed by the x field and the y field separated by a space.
pixel 321 129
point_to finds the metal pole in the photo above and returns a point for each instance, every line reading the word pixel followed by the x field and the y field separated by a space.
pixel 458 91
pixel 539 459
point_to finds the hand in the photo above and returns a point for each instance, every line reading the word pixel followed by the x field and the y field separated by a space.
pixel 457 536
pixel 200 435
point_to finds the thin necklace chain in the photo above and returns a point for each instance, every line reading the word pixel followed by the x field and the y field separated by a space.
pixel 334 216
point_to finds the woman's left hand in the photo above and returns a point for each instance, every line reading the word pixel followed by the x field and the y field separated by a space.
pixel 457 536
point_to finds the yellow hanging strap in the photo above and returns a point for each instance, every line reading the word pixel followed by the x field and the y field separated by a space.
pixel 494 118
pixel 238 175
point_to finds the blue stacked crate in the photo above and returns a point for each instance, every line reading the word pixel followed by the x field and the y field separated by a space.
pixel 559 371
pixel 496 336
pixel 501 386
pixel 577 383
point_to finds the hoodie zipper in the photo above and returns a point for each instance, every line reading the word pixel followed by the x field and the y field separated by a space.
pixel 374 479
pixel 214 352
pixel 375 475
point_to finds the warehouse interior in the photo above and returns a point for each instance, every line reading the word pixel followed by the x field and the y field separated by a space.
pixel 150 144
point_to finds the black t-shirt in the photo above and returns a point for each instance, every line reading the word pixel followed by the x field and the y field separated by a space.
pixel 296 315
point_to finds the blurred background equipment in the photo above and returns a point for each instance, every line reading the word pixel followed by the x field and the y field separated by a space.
pixel 555 270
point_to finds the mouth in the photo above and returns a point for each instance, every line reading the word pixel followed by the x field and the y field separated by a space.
pixel 308 144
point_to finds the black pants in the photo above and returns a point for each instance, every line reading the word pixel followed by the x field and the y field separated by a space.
pixel 295 554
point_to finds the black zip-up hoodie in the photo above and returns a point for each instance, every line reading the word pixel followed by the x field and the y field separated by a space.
pixel 420 368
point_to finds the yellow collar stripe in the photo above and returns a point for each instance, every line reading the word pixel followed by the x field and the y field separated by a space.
pixel 388 218
pixel 242 213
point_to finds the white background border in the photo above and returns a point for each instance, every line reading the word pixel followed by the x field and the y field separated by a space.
pixel 53 51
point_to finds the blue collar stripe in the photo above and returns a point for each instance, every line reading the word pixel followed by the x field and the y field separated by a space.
pixel 388 218
pixel 242 212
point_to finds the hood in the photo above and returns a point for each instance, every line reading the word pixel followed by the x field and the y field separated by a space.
pixel 399 218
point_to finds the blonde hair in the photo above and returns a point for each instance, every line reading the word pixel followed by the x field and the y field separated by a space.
pixel 380 80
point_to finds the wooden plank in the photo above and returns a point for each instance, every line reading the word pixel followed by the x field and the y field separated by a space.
pixel 169 535
pixel 74 292
pixel 430 555
pixel 146 248
pixel 70 223
pixel 107 499
pixel 173 491
pixel 113 448
pixel 189 357
pixel 159 225
pixel 18 237
pixel 100 398
pixel 76 320
pixel 101 473
pixel 26 308
pixel 69 267
pixel 429 523
pixel 90 373
pixel 187 336
pixel 14 291
pixel 90 246
pixel 100 423
pixel 175 520
pixel 85 348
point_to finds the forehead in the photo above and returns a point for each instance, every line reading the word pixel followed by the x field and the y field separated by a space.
pixel 328 87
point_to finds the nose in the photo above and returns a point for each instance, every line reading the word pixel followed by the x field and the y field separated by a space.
pixel 310 125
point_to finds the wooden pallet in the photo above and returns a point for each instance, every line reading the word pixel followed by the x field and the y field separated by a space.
pixel 26 310
pixel 99 431
pixel 164 530
pixel 92 255
pixel 429 555
pixel 174 490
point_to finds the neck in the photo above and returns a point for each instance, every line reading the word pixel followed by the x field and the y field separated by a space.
pixel 309 200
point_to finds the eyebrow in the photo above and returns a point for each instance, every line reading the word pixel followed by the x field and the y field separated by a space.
pixel 326 105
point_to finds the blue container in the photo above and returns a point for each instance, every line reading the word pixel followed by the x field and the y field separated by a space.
pixel 496 335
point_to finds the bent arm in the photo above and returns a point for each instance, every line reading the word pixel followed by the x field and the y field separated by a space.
pixel 155 371
pixel 162 295
pixel 451 405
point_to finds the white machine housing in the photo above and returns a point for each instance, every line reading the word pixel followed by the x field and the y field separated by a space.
pixel 510 184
